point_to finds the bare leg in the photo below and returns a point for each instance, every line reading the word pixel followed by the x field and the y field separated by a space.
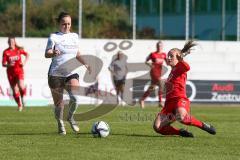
pixel 121 90
pixel 16 95
pixel 22 90
pixel 162 125
pixel 146 94
pixel 160 93
pixel 118 98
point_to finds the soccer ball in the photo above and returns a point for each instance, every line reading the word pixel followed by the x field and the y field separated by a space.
pixel 100 129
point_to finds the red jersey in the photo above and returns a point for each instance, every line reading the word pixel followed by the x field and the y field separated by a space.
pixel 157 61
pixel 13 58
pixel 176 82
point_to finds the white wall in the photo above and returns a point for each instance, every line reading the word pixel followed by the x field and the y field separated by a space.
pixel 209 61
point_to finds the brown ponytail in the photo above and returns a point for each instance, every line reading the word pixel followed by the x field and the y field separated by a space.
pixel 187 47
pixel 62 15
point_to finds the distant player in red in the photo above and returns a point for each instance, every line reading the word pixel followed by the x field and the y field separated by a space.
pixel 157 58
pixel 13 62
pixel 177 105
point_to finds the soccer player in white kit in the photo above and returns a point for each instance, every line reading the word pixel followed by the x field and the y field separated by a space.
pixel 63 46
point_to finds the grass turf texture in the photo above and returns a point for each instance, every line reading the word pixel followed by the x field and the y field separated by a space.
pixel 31 135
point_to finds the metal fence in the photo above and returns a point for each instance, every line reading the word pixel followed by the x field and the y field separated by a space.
pixel 187 19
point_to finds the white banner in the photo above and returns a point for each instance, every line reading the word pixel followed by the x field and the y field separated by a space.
pixel 202 62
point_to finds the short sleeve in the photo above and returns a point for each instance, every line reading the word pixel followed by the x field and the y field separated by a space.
pixel 50 43
pixel 77 40
pixel 182 67
pixel 23 52
pixel 149 57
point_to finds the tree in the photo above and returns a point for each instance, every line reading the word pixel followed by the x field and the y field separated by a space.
pixel 105 20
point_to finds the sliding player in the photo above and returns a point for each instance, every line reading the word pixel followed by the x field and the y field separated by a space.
pixel 177 105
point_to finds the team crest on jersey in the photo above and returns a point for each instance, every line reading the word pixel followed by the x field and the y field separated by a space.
pixel 14 58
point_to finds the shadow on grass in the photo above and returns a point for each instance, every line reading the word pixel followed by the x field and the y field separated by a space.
pixel 137 135
pixel 85 135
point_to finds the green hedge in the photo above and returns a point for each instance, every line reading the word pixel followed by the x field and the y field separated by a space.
pixel 104 20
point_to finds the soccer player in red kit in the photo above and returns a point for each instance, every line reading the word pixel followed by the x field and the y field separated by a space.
pixel 177 105
pixel 157 58
pixel 13 62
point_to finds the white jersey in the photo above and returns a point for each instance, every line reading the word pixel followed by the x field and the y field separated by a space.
pixel 68 45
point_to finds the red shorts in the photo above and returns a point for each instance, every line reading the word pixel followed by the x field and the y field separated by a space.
pixel 172 104
pixel 14 78
pixel 155 81
pixel 155 78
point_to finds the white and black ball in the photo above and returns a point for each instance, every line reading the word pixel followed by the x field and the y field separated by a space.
pixel 100 129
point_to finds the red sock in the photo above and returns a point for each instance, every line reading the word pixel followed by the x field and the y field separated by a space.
pixel 192 121
pixel 24 91
pixel 145 95
pixel 17 99
pixel 168 130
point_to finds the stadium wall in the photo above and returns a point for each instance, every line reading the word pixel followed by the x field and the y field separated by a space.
pixel 215 63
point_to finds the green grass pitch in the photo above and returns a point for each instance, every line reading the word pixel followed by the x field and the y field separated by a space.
pixel 31 135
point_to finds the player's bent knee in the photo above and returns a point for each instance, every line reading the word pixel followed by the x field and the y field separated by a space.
pixel 180 117
pixel 156 126
pixel 59 103
pixel 159 130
